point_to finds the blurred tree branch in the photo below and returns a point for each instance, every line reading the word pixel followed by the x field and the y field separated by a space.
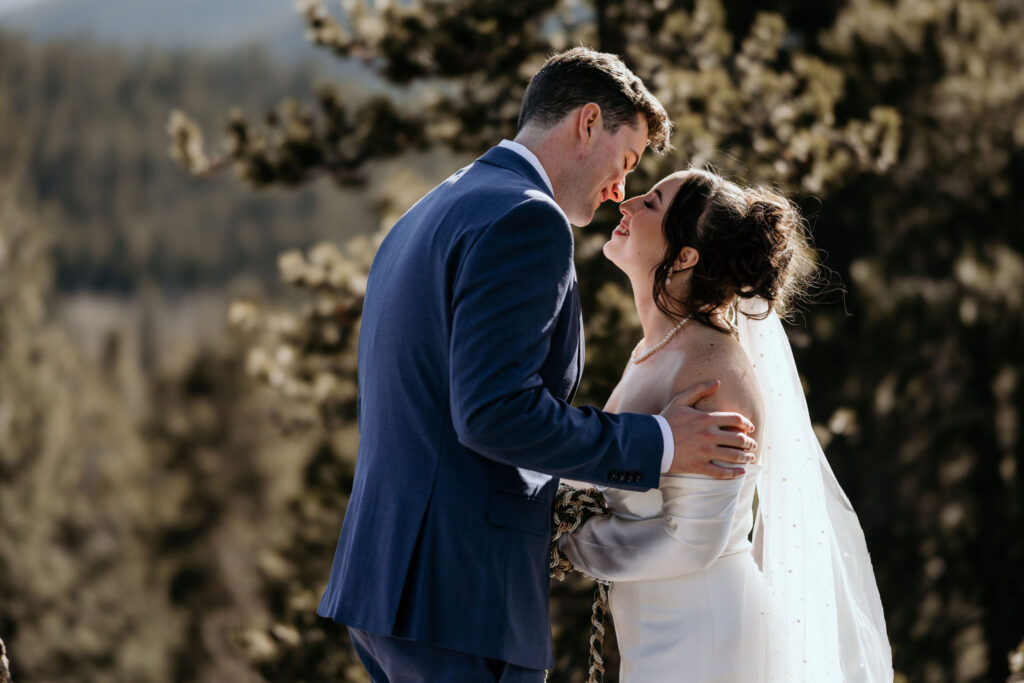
pixel 1016 660
pixel 455 73
pixel 903 118
pixel 463 66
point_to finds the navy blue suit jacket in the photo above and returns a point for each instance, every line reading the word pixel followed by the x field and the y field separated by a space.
pixel 470 351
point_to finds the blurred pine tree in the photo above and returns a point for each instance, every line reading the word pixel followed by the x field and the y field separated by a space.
pixel 898 128
pixel 76 525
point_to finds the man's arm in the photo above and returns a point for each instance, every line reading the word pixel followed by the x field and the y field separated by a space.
pixel 509 288
pixel 691 533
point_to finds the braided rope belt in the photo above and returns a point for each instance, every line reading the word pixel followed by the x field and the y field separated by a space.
pixel 572 508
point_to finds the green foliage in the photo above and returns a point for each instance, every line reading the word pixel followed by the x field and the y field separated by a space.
pixel 773 104
pixel 139 507
pixel 309 357
pixel 898 129
pixel 136 493
pixel 934 253
pixel 766 109
pixel 156 525
pixel 75 518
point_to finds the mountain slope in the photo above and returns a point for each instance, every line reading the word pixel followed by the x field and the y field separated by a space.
pixel 205 24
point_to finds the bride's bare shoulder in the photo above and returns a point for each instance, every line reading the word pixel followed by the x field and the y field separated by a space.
pixel 710 355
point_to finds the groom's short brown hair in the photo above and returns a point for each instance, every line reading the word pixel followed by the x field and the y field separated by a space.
pixel 575 77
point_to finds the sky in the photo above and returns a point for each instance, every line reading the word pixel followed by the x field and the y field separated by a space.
pixel 8 5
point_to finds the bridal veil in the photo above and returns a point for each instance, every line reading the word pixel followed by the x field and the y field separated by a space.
pixel 827 613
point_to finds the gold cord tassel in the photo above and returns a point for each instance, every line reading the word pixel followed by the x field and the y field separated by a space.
pixel 572 508
pixel 595 673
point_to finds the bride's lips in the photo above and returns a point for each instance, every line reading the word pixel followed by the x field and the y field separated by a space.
pixel 621 229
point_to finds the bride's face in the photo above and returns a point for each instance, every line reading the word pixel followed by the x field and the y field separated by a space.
pixel 637 245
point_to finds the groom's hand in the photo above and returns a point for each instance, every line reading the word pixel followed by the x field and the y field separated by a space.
pixel 704 439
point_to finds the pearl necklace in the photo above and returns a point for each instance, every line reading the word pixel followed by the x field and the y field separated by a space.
pixel 650 352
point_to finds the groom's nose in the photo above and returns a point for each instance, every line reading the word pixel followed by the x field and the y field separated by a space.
pixel 618 192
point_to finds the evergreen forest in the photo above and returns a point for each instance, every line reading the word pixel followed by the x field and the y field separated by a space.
pixel 184 243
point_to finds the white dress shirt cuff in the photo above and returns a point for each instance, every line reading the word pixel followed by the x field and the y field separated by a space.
pixel 669 451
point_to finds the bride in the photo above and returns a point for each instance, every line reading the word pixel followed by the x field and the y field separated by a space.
pixel 691 598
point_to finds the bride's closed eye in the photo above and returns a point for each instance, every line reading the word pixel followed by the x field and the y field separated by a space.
pixel 647 199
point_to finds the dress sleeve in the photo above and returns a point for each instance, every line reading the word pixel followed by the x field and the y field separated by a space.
pixel 689 535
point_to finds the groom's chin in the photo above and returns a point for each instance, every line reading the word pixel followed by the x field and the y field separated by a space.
pixel 580 216
pixel 580 220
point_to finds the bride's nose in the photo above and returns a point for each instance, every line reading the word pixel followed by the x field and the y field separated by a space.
pixel 626 207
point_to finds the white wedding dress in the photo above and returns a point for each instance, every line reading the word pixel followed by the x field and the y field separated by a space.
pixel 687 600
pixel 693 600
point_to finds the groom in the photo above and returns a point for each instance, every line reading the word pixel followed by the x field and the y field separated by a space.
pixel 470 352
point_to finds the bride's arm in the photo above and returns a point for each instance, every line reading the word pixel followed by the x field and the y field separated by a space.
pixel 691 533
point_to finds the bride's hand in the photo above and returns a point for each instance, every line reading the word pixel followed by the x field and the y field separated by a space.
pixel 703 439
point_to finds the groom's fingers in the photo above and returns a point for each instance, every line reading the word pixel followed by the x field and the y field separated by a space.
pixel 737 440
pixel 731 456
pixel 733 421
pixel 720 472
pixel 691 395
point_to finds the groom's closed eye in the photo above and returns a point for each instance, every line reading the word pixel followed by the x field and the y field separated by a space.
pixel 631 167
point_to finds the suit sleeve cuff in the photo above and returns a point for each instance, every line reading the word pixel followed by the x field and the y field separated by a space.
pixel 669 451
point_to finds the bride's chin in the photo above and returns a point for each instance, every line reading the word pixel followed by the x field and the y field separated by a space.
pixel 609 252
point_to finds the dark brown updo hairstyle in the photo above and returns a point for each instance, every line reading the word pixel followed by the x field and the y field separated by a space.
pixel 752 243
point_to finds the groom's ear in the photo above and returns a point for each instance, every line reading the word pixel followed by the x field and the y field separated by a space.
pixel 588 120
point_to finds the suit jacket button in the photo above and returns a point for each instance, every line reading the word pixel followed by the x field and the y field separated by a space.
pixel 613 475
